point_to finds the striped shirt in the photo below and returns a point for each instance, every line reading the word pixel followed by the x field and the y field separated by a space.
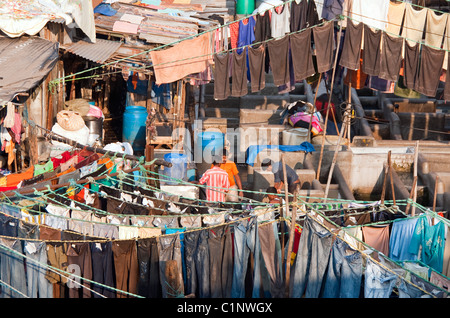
pixel 215 178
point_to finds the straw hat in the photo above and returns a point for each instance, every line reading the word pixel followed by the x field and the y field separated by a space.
pixel 70 120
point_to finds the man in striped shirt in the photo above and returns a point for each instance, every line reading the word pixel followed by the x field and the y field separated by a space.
pixel 217 183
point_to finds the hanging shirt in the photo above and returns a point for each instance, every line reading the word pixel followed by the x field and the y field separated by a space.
pixel 280 22
pixel 432 240
pixel 215 178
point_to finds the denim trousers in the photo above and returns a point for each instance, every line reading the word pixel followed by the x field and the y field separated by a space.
pixel 12 269
pixel 37 284
pixel 344 274
pixel 246 242
pixel 190 250
pixel 311 262
pixel 169 249
pixel 378 281
pixel 271 257
pixel 201 259
pixel 148 261
pixel 102 269
pixel 221 261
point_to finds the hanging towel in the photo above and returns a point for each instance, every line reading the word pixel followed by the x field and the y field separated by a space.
pixel 301 51
pixel 372 13
pixel 414 24
pixel 351 49
pixel 324 46
pixel 372 51
pixel 411 63
pixel 256 64
pixel 447 84
pixel 391 57
pixel 221 76
pixel 427 80
pixel 332 8
pixel 446 45
pixel 9 118
pixel 239 74
pixel 435 27
pixel 395 15
pixel 279 60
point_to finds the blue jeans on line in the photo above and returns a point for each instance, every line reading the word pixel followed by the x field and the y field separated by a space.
pixel 245 242
pixel 312 260
pixel 12 269
pixel 378 282
pixel 344 274
pixel 38 284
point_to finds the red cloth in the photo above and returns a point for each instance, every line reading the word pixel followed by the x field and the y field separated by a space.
pixel 58 161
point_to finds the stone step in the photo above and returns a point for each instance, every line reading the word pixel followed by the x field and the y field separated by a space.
pixel 217 112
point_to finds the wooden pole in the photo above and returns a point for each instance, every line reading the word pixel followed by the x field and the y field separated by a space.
pixel 410 198
pixel 291 244
pixel 329 101
pixel 416 157
pixel 390 177
pixel 314 105
pixel 286 203
pixel 383 191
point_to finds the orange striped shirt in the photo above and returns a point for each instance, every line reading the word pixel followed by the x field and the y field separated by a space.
pixel 215 178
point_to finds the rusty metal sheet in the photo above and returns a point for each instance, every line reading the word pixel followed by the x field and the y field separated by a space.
pixel 97 52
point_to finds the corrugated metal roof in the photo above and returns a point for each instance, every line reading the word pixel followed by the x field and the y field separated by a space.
pixel 98 52
pixel 24 62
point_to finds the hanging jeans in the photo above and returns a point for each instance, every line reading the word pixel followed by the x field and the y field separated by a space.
pixel 148 260
pixel 312 259
pixel 271 256
pixel 201 259
pixel 378 282
pixel 246 242
pixel 220 260
pixel 12 270
pixel 102 269
pixel 169 249
pixel 36 269
pixel 190 250
pixel 344 274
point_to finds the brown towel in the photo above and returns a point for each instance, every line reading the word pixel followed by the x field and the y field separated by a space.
pixel 256 64
pixel 279 60
pixel 411 63
pixel 391 57
pixel 301 51
pixel 351 49
pixel 427 80
pixel 371 52
pixel 324 42
pixel 221 76
pixel 239 74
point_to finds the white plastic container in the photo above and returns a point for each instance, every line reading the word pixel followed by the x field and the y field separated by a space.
pixel 294 136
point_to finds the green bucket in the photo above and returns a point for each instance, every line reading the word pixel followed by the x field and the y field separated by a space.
pixel 245 6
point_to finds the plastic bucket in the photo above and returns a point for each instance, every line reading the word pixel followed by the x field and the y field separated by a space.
pixel 178 169
pixel 133 129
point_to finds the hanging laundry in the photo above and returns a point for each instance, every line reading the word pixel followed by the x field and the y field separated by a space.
pixel 372 13
pixel 400 238
pixel 246 37
pixel 414 24
pixel 378 238
pixel 324 46
pixel 390 57
pixel 186 57
pixel 396 11
pixel 280 21
pixel 332 9
pixel 239 74
pixel 446 44
pixel 298 12
pixel 371 51
pixel 301 51
pixel 221 76
pixel 256 64
pixel 279 60
pixel 426 81
pixel 411 63
pixel 351 49
pixel 234 34
pixel 435 27
pixel 447 82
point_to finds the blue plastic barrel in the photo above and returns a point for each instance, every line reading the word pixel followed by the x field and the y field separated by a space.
pixel 178 169
pixel 212 143
pixel 133 128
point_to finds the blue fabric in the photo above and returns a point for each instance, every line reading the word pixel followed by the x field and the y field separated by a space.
pixel 252 151
pixel 400 238
pixel 105 9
